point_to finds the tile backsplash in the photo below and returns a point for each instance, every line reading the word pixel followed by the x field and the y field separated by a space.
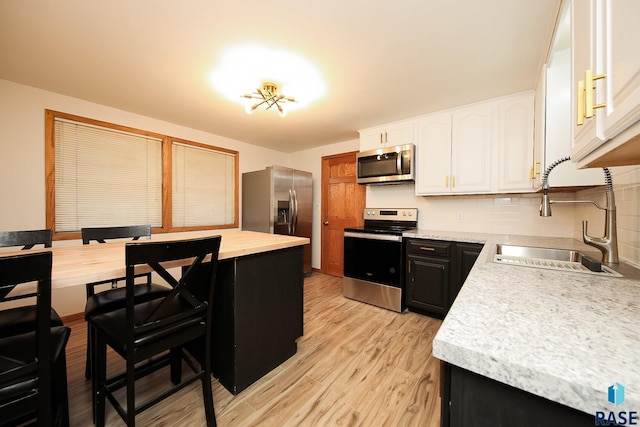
pixel 518 213
pixel 626 189
pixel 501 214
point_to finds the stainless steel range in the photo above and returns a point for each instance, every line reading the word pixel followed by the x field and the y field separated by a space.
pixel 374 257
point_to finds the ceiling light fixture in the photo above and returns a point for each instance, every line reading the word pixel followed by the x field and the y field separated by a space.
pixel 248 67
pixel 268 96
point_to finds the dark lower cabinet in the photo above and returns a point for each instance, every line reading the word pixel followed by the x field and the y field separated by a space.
pixel 436 270
pixel 258 315
pixel 471 400
pixel 466 255
pixel 428 281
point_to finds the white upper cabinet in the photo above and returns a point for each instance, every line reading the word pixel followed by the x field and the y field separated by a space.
pixel 398 133
pixel 554 114
pixel 433 154
pixel 515 143
pixel 454 151
pixel 472 134
pixel 481 148
pixel 606 82
pixel 583 53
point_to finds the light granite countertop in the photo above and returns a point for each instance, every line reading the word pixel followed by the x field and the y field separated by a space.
pixel 564 336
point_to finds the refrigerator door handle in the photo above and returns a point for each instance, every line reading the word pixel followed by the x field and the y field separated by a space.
pixel 294 219
pixel 291 213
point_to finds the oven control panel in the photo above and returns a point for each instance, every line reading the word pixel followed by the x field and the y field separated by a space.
pixel 405 214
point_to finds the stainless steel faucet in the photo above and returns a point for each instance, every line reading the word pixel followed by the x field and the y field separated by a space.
pixel 608 244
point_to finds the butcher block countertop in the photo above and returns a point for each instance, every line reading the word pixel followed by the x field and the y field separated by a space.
pixel 80 264
pixel 564 336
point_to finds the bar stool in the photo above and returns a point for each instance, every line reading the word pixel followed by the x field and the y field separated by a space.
pixel 33 368
pixel 18 320
pixel 114 298
pixel 152 334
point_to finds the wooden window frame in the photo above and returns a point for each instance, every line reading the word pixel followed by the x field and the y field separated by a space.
pixel 51 116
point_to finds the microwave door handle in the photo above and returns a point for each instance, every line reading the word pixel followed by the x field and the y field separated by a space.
pixel 399 163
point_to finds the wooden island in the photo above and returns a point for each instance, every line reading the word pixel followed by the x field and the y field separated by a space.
pixel 258 302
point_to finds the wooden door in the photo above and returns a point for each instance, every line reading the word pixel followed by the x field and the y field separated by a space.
pixel 343 203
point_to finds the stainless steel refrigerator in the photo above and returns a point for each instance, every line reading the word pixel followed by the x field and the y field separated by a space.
pixel 279 200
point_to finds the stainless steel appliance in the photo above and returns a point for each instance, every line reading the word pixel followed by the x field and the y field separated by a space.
pixel 279 200
pixel 374 269
pixel 390 165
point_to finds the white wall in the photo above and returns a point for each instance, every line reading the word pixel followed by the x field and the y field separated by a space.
pixel 22 180
pixel 22 146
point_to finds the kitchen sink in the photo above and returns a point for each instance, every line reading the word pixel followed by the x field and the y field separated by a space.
pixel 552 259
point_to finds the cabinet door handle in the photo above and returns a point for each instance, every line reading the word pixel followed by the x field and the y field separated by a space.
pixel 386 137
pixel 453 181
pixel 533 171
pixel 424 248
pixel 446 181
pixel 589 87
pixel 380 137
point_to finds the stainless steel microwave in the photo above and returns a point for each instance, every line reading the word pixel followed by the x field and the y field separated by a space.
pixel 390 165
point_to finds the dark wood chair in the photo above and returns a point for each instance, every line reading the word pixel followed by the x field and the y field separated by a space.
pixel 114 298
pixel 152 335
pixel 33 375
pixel 22 319
pixel 27 238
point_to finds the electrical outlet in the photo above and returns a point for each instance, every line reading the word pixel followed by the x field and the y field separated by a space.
pixel 460 217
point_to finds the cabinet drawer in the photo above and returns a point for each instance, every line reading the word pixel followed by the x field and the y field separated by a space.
pixel 429 247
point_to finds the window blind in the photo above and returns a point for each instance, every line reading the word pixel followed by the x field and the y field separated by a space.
pixel 203 186
pixel 105 177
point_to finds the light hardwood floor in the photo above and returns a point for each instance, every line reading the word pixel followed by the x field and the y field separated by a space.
pixel 356 365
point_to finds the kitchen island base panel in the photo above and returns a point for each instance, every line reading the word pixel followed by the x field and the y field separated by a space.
pixel 472 400
pixel 258 315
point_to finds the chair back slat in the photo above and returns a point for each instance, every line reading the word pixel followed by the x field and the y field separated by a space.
pixel 102 234
pixel 15 270
pixel 26 238
pixel 23 267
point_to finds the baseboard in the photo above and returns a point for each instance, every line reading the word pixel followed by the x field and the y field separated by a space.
pixel 72 317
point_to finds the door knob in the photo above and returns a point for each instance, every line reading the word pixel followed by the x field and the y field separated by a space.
pixel 326 223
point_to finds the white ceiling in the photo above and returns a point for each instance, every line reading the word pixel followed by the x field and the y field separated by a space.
pixel 382 60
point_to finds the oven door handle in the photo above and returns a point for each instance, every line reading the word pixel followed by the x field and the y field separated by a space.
pixel 373 236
